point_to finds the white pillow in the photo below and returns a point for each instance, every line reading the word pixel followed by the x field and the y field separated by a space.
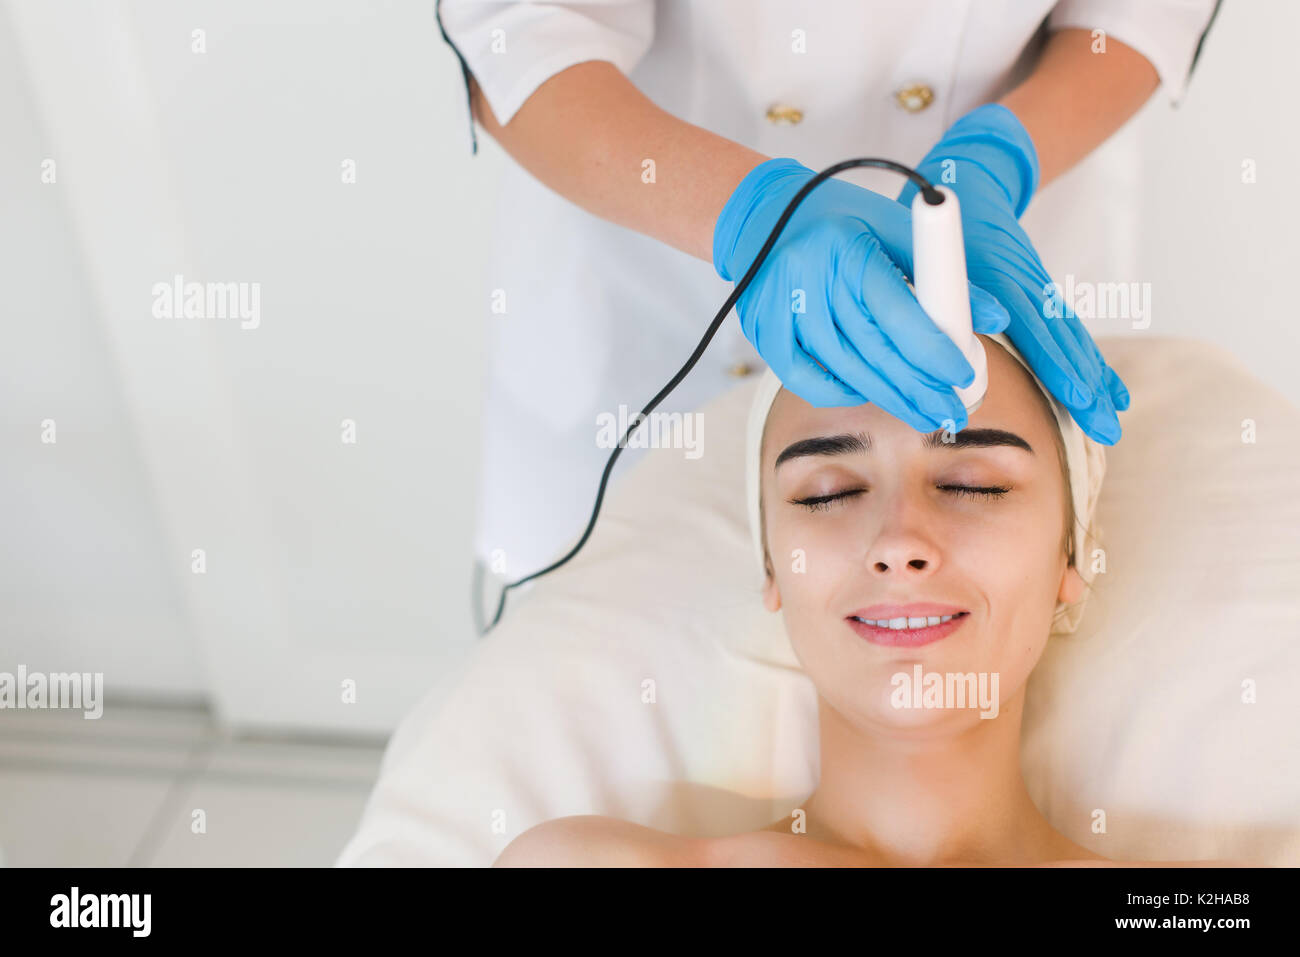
pixel 644 680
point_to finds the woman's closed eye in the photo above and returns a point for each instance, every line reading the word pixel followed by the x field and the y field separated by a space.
pixel 819 503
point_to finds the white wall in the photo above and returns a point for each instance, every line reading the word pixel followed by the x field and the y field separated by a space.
pixel 325 561
pixel 83 573
pixel 329 562
pixel 1220 253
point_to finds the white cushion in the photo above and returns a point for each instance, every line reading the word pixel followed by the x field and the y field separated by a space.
pixel 1139 715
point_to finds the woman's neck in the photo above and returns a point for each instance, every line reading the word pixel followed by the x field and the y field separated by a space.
pixel 932 797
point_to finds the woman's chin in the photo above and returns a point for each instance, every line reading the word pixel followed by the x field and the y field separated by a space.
pixel 886 714
pixel 914 697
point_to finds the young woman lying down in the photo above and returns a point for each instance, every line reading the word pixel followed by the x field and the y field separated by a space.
pixel 919 577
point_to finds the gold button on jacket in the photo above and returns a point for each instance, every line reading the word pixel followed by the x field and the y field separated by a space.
pixel 915 98
pixel 784 114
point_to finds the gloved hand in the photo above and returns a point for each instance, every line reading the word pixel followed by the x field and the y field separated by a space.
pixel 991 164
pixel 830 310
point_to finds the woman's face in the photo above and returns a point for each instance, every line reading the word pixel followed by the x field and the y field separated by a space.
pixel 975 526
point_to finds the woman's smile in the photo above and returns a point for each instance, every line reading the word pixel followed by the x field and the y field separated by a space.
pixel 907 632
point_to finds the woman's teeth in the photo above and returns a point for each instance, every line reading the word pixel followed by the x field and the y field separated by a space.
pixel 899 624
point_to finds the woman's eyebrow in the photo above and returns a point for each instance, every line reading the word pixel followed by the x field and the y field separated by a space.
pixel 976 439
pixel 853 443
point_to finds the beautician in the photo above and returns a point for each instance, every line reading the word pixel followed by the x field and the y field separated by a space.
pixel 656 143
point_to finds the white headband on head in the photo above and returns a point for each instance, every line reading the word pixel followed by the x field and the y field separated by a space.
pixel 1085 461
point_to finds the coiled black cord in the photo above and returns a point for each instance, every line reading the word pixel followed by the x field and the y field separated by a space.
pixel 932 196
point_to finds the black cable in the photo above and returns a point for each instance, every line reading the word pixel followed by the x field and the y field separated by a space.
pixel 932 196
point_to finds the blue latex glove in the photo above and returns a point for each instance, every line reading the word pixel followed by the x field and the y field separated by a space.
pixel 991 164
pixel 830 310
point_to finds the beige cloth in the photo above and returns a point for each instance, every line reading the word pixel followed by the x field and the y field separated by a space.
pixel 1085 460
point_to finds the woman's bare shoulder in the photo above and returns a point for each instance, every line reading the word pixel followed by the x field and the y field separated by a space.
pixel 591 840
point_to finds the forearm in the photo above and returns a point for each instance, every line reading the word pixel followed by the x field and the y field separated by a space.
pixel 1075 98
pixel 587 132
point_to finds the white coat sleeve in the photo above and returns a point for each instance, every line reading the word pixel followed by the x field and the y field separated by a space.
pixel 1167 32
pixel 512 48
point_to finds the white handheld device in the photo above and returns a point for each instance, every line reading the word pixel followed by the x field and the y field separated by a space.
pixel 939 266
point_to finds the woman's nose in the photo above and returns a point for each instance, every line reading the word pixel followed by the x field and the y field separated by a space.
pixel 903 543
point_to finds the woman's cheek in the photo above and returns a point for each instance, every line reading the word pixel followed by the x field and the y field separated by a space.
pixel 802 558
pixel 817 545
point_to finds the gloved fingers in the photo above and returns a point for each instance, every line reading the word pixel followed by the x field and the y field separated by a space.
pixel 1037 343
pixel 1119 395
pixel 888 223
pixel 1098 420
pixel 1095 416
pixel 987 315
pixel 812 383
pixel 1069 329
pixel 829 348
pixel 1004 255
pixel 779 344
pixel 883 294
pixel 1114 385
pixel 876 389
pixel 1108 382
pixel 879 373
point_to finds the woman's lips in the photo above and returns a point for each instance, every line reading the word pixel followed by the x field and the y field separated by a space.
pixel 908 637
